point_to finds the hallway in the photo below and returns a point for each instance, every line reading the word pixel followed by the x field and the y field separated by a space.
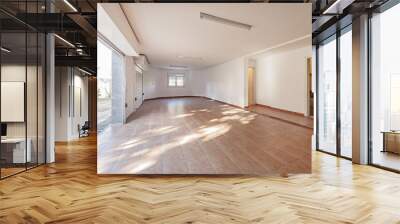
pixel 200 136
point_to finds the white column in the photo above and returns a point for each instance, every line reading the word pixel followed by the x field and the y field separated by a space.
pixel 50 99
pixel 360 90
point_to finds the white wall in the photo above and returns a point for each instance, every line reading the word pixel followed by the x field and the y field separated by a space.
pixel 34 125
pixel 80 118
pixel 139 88
pixel 61 104
pixel 130 89
pixel 224 82
pixel 16 72
pixel 66 121
pixel 281 77
pixel 133 86
pixel 155 84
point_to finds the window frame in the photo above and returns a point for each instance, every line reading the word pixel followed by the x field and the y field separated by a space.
pixel 371 15
pixel 175 75
pixel 333 37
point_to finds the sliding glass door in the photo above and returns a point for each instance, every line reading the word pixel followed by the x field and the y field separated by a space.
pixel 346 92
pixel 104 86
pixel 110 101
pixel 327 96
pixel 14 151
pixel 385 89
pixel 334 94
pixel 22 101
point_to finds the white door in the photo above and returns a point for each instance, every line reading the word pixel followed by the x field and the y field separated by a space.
pixel 139 89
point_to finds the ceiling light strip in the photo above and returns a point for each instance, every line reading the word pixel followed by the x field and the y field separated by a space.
pixel 5 50
pixel 70 5
pixel 84 71
pixel 337 7
pixel 224 21
pixel 64 40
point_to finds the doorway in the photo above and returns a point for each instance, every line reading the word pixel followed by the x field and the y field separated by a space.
pixel 251 86
pixel 139 88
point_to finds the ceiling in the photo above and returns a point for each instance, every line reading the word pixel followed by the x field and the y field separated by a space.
pixel 174 34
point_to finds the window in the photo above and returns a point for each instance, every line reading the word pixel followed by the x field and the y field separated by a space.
pixel 394 102
pixel 104 86
pixel 22 87
pixel 334 110
pixel 385 89
pixel 346 93
pixel 110 109
pixel 327 96
pixel 176 80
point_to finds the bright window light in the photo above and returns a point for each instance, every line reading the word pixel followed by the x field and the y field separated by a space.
pixel 176 80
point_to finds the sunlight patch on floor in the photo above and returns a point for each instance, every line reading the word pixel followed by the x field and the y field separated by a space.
pixel 215 131
pixel 183 115
pixel 159 131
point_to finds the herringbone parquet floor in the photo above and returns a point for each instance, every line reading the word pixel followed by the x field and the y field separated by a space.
pixel 71 192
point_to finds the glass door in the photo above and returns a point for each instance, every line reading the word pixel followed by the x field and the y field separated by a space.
pixel 385 89
pixel 15 149
pixel 326 105
pixel 22 101
pixel 346 92
pixel 110 78
pixel 104 86
pixel 334 94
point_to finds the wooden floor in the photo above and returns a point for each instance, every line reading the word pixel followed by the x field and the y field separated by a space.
pixel 8 171
pixel 70 191
pixel 195 135
pixel 284 116
pixel 386 159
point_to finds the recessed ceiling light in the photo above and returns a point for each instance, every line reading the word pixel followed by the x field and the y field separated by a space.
pixel 224 21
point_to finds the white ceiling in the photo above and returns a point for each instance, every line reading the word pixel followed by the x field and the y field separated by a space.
pixel 169 31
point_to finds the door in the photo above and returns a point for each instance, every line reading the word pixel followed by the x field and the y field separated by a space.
pixel 326 122
pixel 139 88
pixel 251 86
